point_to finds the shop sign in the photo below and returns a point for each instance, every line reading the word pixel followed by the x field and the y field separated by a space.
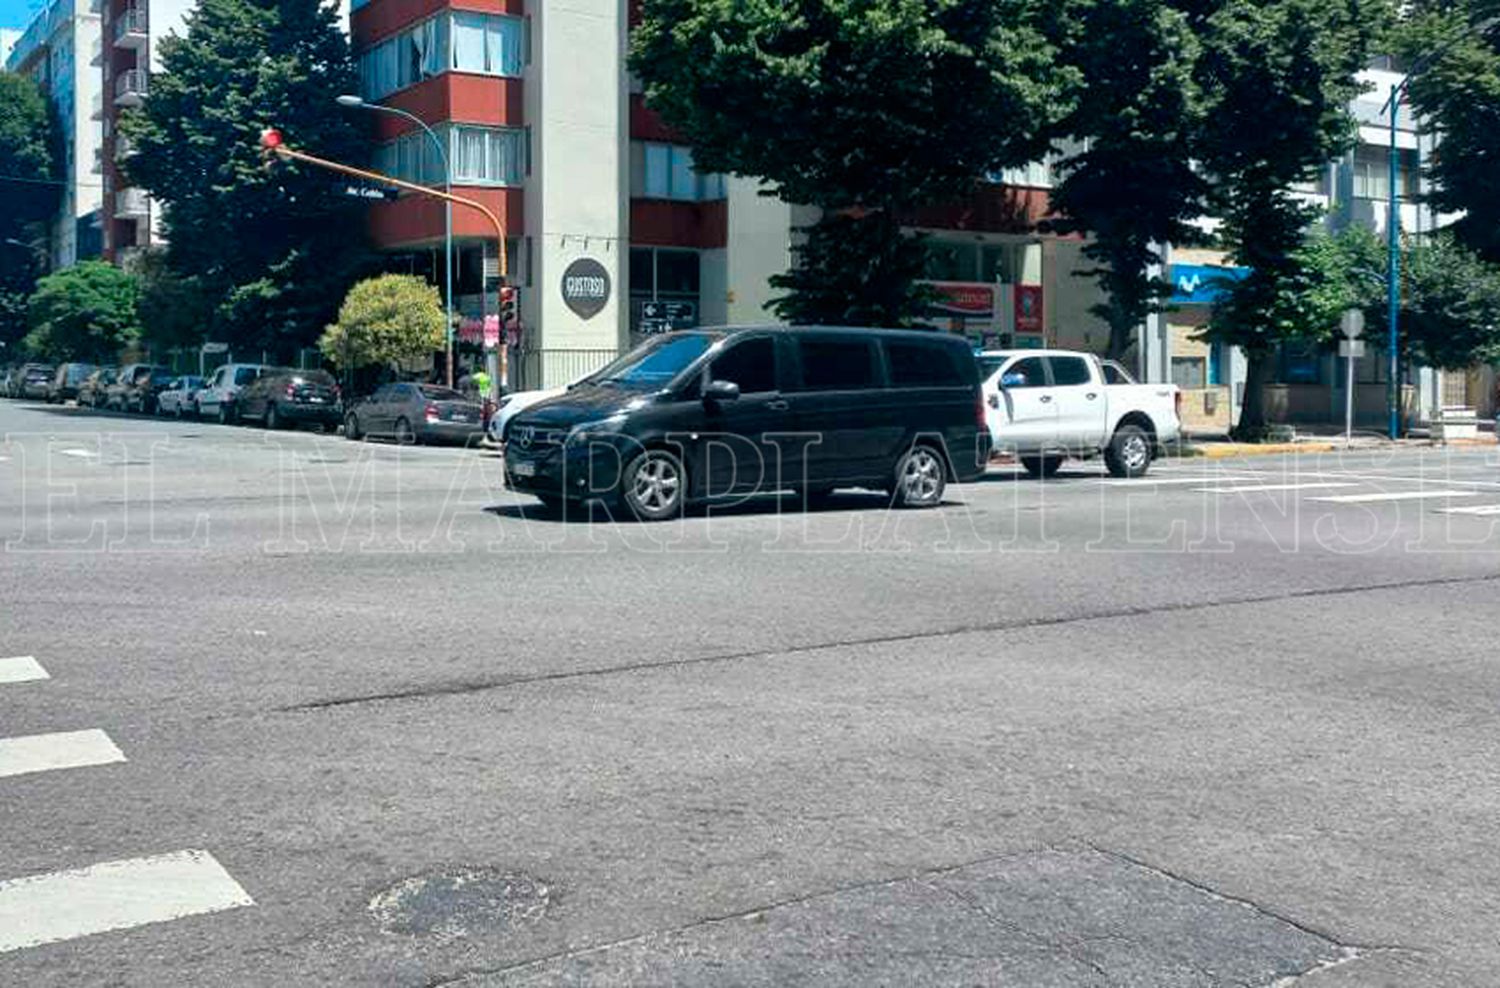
pixel 963 299
pixel 1028 308
pixel 585 287
pixel 1202 284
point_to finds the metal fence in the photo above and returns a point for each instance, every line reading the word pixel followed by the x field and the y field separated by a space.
pixel 545 368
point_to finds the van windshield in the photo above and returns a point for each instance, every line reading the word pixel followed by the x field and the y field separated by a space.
pixel 656 363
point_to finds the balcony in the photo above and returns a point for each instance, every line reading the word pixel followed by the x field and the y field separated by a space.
pixel 131 204
pixel 96 106
pixel 130 87
pixel 130 28
pixel 123 148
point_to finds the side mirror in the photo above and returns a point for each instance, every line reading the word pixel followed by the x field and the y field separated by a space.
pixel 1014 379
pixel 721 391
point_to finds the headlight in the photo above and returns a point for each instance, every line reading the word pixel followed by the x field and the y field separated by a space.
pixel 585 431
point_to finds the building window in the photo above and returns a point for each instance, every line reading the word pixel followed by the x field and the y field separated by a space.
pixel 1189 373
pixel 1372 172
pixel 665 171
pixel 664 275
pixel 490 44
pixel 477 156
pixel 1300 363
pixel 1036 174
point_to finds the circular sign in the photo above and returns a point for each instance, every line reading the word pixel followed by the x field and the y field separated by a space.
pixel 585 287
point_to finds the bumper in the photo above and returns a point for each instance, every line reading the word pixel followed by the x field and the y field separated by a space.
pixel 575 470
pixel 295 412
pixel 465 433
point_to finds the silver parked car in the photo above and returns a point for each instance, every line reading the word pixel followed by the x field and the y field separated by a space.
pixel 415 413
pixel 178 397
pixel 216 398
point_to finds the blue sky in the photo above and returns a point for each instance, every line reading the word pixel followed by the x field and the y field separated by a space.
pixel 17 13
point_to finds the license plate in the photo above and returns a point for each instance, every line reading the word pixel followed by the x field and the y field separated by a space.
pixel 523 468
pixel 316 400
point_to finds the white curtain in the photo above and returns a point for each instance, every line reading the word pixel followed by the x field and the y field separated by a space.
pixel 506 45
pixel 468 42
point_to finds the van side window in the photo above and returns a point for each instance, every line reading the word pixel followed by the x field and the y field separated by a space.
pixel 1069 372
pixel 922 365
pixel 245 375
pixel 833 364
pixel 750 363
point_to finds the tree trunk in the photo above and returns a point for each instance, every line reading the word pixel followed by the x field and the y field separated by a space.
pixel 1120 338
pixel 1252 424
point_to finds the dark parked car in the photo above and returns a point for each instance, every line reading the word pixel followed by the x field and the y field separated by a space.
pixel 282 396
pixel 704 413
pixel 94 390
pixel 68 379
pixel 35 381
pixel 416 413
pixel 149 381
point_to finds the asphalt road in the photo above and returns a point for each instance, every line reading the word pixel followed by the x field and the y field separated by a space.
pixel 335 713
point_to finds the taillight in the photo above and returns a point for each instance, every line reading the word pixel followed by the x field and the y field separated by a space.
pixel 291 389
pixel 432 413
pixel 1177 403
pixel 979 411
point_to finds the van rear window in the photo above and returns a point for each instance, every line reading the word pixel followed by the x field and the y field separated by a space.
pixel 922 365
pixel 834 364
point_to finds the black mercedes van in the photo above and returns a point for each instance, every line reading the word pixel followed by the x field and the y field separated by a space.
pixel 744 410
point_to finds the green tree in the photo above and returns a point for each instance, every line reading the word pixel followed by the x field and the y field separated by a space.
pixel 30 166
pixel 1278 76
pixel 1459 94
pixel 276 247
pixel 1131 187
pixel 174 309
pixel 85 312
pixel 861 107
pixel 389 319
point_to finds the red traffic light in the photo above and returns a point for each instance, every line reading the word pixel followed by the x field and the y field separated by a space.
pixel 270 138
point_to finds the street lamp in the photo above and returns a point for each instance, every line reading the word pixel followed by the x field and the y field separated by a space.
pixel 357 103
pixel 1393 216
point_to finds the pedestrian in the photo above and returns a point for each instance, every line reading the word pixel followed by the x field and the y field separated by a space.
pixel 481 381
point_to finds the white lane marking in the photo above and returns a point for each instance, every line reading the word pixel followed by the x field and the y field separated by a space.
pixel 77 452
pixel 1472 509
pixel 1401 496
pixel 1207 478
pixel 65 749
pixel 1254 488
pixel 21 669
pixel 115 895
pixel 1377 477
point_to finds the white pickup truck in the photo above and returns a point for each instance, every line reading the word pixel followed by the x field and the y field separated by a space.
pixel 1047 405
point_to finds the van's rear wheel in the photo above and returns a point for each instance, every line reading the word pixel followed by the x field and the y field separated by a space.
pixel 655 485
pixel 921 478
pixel 1129 452
pixel 1042 466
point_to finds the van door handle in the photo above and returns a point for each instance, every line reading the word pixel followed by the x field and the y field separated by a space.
pixel 1046 398
pixel 777 406
pixel 1091 395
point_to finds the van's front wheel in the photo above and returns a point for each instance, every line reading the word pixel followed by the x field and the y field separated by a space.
pixel 655 485
pixel 1129 452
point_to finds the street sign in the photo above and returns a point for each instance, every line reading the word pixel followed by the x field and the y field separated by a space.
pixel 491 331
pixel 216 348
pixel 1352 322
pixel 1351 348
pixel 664 317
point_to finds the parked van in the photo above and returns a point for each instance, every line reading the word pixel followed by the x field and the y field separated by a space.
pixel 706 413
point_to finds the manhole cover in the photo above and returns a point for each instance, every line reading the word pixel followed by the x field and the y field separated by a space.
pixel 460 902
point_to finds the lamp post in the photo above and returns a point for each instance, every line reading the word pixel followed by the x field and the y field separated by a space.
pixel 357 103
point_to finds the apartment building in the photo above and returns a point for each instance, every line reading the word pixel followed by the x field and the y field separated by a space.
pixel 611 233
pixel 59 49
pixel 8 38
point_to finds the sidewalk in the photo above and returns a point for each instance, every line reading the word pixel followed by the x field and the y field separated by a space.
pixel 1223 448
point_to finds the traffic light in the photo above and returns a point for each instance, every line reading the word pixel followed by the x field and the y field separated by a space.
pixel 510 312
pixel 270 140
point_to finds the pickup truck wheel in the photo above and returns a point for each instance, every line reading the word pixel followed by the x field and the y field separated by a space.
pixel 1042 466
pixel 1129 452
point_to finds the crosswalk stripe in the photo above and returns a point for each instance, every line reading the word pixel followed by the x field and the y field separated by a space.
pixel 1399 496
pixel 1472 509
pixel 64 749
pixel 21 669
pixel 83 453
pixel 1257 488
pixel 115 895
